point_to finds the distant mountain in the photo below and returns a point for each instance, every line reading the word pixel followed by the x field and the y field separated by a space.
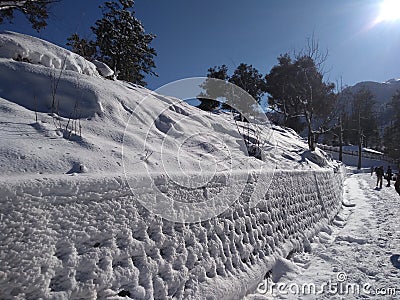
pixel 383 92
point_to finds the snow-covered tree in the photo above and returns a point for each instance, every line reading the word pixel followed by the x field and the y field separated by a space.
pixel 122 42
pixel 36 11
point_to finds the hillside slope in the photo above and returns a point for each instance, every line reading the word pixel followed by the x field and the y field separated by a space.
pixel 83 120
pixel 116 191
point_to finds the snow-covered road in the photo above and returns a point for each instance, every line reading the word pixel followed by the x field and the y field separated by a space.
pixel 357 258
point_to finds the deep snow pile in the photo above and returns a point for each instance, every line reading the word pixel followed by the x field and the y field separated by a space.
pixel 72 227
pixel 23 47
pixel 100 109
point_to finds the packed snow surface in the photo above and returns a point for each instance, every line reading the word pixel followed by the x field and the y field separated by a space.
pixel 357 257
pixel 87 164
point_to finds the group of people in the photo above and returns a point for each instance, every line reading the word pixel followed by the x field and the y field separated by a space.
pixel 380 174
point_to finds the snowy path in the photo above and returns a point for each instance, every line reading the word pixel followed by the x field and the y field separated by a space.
pixel 358 258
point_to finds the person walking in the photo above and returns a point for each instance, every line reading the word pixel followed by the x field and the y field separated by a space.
pixel 389 175
pixel 397 183
pixel 379 175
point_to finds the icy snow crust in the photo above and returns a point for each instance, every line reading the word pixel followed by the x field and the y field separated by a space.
pixel 72 227
pixel 103 69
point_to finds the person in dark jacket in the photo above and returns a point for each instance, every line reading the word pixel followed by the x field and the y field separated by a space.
pixel 379 175
pixel 389 175
pixel 397 183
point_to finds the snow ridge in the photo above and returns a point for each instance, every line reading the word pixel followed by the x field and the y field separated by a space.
pixel 79 237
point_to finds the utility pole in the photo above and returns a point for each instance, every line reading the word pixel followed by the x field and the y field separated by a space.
pixel 360 141
pixel 340 139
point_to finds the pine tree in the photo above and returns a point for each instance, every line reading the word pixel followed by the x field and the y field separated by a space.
pixel 281 85
pixel 81 46
pixel 213 89
pixel 36 11
pixel 251 82
pixel 249 79
pixel 122 42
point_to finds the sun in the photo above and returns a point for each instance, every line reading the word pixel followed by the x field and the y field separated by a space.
pixel 390 11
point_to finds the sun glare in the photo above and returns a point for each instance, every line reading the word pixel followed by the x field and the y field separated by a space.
pixel 390 10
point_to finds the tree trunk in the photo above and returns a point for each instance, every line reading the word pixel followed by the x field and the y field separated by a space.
pixel 311 141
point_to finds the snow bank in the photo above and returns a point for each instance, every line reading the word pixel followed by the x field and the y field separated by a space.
pixel 79 237
pixel 103 69
pixel 39 104
pixel 73 97
pixel 26 48
pixel 352 160
pixel 71 227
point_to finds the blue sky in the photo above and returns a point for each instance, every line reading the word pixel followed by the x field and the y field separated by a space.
pixel 195 35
